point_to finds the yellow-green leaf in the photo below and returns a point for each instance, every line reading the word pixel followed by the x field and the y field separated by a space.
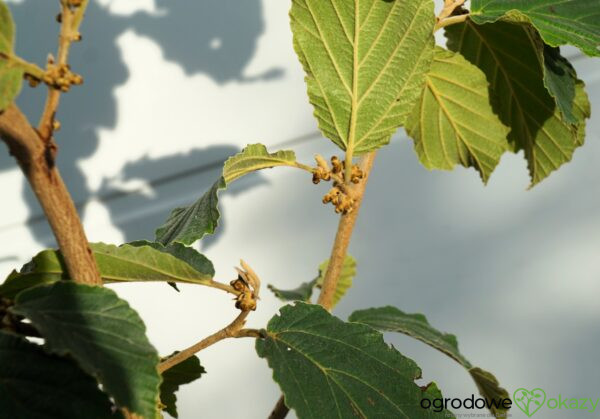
pixel 508 54
pixel 453 122
pixel 364 61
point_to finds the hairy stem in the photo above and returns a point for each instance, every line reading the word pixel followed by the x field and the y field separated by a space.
pixel 36 160
pixel 232 330
pixel 336 260
pixel 343 236
pixel 71 19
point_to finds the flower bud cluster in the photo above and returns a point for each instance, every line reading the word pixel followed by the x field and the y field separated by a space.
pixel 340 195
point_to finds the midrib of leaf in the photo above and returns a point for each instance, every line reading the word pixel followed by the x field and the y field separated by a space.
pixel 389 60
pixel 355 102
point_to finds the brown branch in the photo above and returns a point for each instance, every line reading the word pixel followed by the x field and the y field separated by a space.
pixel 232 330
pixel 70 18
pixel 343 236
pixel 36 160
pixel 280 410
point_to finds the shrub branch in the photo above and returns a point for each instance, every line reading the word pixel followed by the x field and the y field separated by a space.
pixel 36 160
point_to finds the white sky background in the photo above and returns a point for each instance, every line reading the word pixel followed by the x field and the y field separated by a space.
pixel 515 274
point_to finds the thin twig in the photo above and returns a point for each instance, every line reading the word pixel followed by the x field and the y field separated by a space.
pixel 232 330
pixel 343 236
pixel 36 160
pixel 251 283
pixel 280 410
pixel 448 17
pixel 71 18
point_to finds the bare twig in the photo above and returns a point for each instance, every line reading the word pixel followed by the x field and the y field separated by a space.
pixel 232 330
pixel 280 410
pixel 36 160
pixel 448 15
pixel 342 238
pixel 71 17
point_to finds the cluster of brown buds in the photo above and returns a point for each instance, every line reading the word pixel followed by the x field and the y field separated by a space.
pixel 57 76
pixel 340 195
pixel 248 286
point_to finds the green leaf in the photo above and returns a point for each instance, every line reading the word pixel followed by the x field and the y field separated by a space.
pixel 36 385
pixel 186 254
pixel 350 369
pixel 390 319
pixel 102 333
pixel 514 71
pixel 255 157
pixel 142 261
pixel 365 61
pixel 188 224
pixel 11 75
pixel 560 79
pixel 453 122
pixel 560 22
pixel 347 274
pixel 302 293
pixel 178 375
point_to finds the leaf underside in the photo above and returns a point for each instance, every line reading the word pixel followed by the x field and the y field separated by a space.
pixel 560 22
pixel 189 224
pixel 453 122
pixel 255 157
pixel 391 319
pixel 36 385
pixel 351 371
pixel 508 55
pixel 364 61
pixel 107 339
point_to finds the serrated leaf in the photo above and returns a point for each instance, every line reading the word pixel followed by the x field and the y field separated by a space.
pixel 351 371
pixel 188 224
pixel 11 76
pixel 183 373
pixel 255 157
pixel 365 61
pixel 453 122
pixel 125 263
pixel 507 54
pixel 102 333
pixel 36 385
pixel 391 319
pixel 560 22
pixel 347 274
pixel 302 293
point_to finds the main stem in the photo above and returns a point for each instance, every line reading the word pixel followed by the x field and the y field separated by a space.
pixel 336 260
pixel 37 163
pixel 343 236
